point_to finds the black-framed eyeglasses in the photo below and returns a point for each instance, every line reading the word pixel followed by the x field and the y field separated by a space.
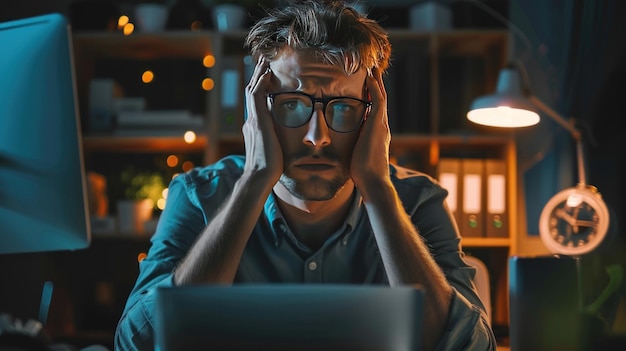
pixel 294 109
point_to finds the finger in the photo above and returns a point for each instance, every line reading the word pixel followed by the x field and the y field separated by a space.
pixel 260 68
pixel 378 74
pixel 257 94
pixel 377 91
pixel 263 81
pixel 374 89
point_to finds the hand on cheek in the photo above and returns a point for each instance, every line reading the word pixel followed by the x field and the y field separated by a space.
pixel 370 158
pixel 263 151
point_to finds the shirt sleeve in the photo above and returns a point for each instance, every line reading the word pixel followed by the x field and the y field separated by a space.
pixel 467 327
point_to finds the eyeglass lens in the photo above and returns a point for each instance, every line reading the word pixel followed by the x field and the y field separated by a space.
pixel 294 110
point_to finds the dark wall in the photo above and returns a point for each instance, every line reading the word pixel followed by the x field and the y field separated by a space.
pixel 10 10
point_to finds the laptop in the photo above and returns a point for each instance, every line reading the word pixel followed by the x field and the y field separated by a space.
pixel 290 317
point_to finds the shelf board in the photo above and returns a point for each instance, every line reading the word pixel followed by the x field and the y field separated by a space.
pixel 486 242
pixel 142 143
pixel 481 43
pixel 139 238
pixel 145 46
pixel 472 43
pixel 409 140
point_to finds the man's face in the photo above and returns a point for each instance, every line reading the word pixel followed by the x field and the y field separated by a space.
pixel 316 158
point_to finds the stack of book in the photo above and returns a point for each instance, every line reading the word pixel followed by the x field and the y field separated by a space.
pixel 157 122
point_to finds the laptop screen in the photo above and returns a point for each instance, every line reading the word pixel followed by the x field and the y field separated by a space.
pixel 289 317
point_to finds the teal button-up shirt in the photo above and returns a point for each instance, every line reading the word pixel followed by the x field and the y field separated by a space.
pixel 274 255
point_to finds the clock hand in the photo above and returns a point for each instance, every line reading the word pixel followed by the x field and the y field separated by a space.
pixel 582 223
pixel 561 213
pixel 568 218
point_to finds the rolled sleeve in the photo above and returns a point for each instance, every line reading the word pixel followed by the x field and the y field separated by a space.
pixel 135 330
pixel 466 328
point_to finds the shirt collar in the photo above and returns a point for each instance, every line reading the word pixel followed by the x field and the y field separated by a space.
pixel 278 224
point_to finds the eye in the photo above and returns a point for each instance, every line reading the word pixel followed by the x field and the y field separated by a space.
pixel 345 106
pixel 290 104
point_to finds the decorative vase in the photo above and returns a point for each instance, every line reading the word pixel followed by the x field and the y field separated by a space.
pixel 133 214
pixel 151 17
pixel 228 17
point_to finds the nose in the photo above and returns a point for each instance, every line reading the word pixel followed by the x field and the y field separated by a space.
pixel 318 133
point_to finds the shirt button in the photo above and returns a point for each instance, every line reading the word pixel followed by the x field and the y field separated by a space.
pixel 312 265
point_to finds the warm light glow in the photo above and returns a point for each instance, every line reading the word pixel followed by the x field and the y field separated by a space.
pixel 172 160
pixel 161 204
pixel 122 21
pixel 190 137
pixel 208 61
pixel 129 28
pixel 503 116
pixel 141 256
pixel 187 165
pixel 175 175
pixel 574 200
pixel 147 77
pixel 208 84
pixel 196 26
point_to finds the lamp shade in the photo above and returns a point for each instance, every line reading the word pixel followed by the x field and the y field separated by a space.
pixel 508 107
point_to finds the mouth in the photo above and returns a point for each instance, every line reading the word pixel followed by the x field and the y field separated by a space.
pixel 315 167
pixel 315 164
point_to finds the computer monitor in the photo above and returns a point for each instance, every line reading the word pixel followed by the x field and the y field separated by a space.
pixel 43 198
pixel 287 317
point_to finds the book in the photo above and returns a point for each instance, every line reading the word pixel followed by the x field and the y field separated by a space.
pixel 472 170
pixel 159 118
pixel 496 216
pixel 448 175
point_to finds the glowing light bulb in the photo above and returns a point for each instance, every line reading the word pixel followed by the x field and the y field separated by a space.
pixel 147 76
pixel 190 137
pixel 208 61
pixel 208 84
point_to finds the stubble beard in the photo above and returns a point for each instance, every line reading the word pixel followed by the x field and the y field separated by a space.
pixel 314 188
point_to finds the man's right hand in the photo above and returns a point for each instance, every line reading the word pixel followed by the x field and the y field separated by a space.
pixel 264 156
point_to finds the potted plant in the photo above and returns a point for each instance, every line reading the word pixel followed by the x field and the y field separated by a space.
pixel 142 189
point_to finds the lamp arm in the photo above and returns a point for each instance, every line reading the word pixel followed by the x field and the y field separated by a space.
pixel 507 22
pixel 571 129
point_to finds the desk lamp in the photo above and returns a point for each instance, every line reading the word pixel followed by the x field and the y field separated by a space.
pixel 575 221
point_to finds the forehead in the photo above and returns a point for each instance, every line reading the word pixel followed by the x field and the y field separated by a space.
pixel 306 71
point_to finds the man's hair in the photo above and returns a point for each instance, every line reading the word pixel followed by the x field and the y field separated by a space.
pixel 337 33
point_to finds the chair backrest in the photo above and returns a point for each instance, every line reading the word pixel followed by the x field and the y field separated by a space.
pixel 482 282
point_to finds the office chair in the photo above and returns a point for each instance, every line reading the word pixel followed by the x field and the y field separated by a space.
pixel 482 282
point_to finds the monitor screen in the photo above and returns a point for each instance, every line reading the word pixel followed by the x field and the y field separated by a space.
pixel 286 317
pixel 43 205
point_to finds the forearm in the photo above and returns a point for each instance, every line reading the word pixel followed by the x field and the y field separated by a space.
pixel 406 257
pixel 216 254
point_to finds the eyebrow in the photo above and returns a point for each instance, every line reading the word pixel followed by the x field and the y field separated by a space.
pixel 317 79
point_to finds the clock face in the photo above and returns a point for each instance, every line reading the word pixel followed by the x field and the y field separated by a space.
pixel 574 221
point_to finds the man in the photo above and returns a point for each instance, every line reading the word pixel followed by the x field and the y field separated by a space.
pixel 315 199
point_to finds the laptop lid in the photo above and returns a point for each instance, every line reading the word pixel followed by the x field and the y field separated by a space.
pixel 289 317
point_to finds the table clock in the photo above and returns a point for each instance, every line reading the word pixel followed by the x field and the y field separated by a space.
pixel 575 221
